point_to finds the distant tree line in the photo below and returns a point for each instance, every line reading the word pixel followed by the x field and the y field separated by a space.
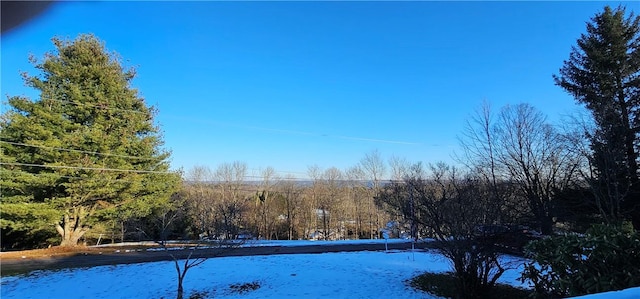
pixel 331 205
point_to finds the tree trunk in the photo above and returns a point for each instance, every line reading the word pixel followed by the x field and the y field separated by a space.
pixel 546 225
pixel 121 231
pixel 72 238
pixel 635 218
pixel 324 224
pixel 71 228
pixel 181 274
pixel 180 294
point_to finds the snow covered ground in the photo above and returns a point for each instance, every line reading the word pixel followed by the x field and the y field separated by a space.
pixel 328 275
pixel 336 242
pixel 287 243
pixel 633 293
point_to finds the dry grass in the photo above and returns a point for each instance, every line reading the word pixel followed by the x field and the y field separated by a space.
pixel 48 252
pixel 58 251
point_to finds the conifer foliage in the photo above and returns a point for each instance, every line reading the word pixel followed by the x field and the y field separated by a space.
pixel 86 149
pixel 603 73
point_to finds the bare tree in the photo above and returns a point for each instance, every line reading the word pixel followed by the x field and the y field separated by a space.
pixel 535 156
pixel 374 169
pixel 200 199
pixel 265 198
pixel 357 193
pixel 189 254
pixel 400 167
pixel 315 173
pixel 292 198
pixel 331 202
pixel 164 219
pixel 480 145
pixel 454 207
pixel 520 147
pixel 230 202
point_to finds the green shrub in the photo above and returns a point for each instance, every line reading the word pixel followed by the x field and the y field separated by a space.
pixel 606 258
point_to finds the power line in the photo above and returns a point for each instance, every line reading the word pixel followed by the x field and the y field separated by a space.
pixel 135 157
pixel 250 127
pixel 275 178
pixel 77 177
pixel 84 168
pixel 275 170
pixel 292 132
pixel 75 150
pixel 210 123
pixel 245 186
pixel 284 131
pixel 275 181
pixel 126 156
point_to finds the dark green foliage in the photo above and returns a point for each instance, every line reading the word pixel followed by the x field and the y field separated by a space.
pixel 606 258
pixel 85 152
pixel 603 73
pixel 445 285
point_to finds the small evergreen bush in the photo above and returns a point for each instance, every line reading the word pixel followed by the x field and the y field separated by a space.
pixel 606 258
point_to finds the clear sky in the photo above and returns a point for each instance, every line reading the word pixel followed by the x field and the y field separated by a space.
pixel 294 84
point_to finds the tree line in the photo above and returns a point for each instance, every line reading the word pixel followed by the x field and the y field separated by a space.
pixel 222 204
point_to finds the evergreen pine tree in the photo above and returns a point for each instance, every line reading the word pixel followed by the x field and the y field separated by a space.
pixel 88 147
pixel 603 73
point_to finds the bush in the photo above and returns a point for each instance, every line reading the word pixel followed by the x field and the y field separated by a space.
pixel 606 258
pixel 446 285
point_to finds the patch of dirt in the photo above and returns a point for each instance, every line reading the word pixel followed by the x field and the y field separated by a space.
pixel 65 251
pixel 37 253
pixel 60 251
pixel 242 288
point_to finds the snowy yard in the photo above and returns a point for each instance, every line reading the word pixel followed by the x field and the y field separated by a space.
pixel 328 275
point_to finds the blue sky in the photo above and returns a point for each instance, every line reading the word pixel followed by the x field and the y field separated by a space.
pixel 294 84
